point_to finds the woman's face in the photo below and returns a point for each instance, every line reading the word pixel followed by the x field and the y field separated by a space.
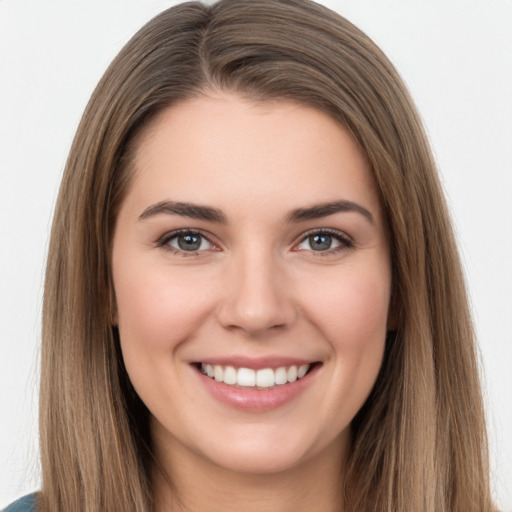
pixel 252 277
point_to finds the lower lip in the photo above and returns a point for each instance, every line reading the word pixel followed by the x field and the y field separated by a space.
pixel 257 400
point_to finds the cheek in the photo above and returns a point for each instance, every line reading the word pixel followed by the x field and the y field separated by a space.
pixel 157 307
pixel 352 317
pixel 351 314
pixel 353 310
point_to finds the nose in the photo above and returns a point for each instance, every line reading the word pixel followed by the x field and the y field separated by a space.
pixel 257 297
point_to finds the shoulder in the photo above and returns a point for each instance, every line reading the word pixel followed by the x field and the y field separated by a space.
pixel 25 504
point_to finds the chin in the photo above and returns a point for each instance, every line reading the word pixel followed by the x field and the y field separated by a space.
pixel 263 462
pixel 269 452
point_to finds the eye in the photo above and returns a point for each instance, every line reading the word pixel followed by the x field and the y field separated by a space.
pixel 186 241
pixel 324 241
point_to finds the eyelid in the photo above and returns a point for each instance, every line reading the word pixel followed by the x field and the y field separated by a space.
pixel 164 240
pixel 346 242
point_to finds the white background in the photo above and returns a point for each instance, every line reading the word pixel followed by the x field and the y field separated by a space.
pixel 456 57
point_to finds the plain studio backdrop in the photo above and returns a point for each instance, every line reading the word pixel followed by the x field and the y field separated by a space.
pixel 455 56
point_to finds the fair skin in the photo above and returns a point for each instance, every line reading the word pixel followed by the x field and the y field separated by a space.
pixel 256 279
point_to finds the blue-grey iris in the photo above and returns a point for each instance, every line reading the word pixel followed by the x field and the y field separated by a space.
pixel 189 242
pixel 320 242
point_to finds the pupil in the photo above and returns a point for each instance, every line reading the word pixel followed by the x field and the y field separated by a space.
pixel 320 242
pixel 189 242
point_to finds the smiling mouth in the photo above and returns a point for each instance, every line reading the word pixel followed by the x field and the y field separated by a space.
pixel 264 378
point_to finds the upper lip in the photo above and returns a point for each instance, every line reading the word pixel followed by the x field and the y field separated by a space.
pixel 255 363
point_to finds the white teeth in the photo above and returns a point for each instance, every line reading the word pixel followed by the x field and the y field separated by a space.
pixel 247 377
pixel 218 373
pixel 265 378
pixel 230 375
pixel 292 374
pixel 281 377
pixel 303 369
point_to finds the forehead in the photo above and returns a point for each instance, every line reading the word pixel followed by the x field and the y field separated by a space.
pixel 224 148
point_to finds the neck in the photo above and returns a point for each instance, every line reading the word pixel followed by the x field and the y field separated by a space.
pixel 197 484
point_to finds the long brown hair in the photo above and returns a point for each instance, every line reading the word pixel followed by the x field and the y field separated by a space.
pixel 419 440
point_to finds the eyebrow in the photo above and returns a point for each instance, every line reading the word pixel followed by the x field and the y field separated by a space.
pixel 208 213
pixel 185 210
pixel 325 209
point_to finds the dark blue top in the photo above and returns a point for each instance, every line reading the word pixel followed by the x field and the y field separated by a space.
pixel 25 504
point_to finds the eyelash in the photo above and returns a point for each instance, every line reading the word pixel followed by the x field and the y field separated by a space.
pixel 166 239
pixel 344 241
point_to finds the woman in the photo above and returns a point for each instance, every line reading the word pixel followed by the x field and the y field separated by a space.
pixel 253 297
